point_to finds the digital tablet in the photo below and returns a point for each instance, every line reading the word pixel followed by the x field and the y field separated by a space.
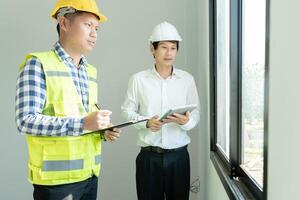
pixel 123 124
pixel 180 110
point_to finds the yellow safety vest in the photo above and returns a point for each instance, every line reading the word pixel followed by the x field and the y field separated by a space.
pixel 67 159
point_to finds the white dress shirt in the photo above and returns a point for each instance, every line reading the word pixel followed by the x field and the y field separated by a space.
pixel 149 94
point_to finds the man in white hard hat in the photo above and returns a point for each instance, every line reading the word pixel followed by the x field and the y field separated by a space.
pixel 56 108
pixel 163 165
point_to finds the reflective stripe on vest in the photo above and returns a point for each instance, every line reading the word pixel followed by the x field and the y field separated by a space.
pixel 97 159
pixel 66 165
pixel 65 74
pixel 62 165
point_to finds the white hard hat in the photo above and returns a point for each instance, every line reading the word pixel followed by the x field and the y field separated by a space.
pixel 164 32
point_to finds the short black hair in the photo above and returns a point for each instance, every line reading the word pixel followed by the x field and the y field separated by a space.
pixel 155 44
pixel 58 29
pixel 69 16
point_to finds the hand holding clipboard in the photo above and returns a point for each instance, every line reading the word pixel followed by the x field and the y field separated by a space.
pixel 128 123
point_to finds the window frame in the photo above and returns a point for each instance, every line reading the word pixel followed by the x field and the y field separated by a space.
pixel 237 183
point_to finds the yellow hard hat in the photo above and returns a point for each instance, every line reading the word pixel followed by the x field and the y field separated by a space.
pixel 80 5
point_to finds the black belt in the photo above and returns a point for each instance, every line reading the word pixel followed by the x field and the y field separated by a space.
pixel 161 150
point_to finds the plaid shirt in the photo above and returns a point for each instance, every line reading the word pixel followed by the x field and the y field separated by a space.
pixel 31 97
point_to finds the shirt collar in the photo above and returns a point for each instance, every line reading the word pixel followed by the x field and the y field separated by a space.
pixel 175 72
pixel 64 56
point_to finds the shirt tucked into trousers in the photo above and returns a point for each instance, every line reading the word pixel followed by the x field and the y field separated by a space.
pixel 163 164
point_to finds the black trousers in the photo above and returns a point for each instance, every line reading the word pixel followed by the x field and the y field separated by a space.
pixel 84 190
pixel 161 176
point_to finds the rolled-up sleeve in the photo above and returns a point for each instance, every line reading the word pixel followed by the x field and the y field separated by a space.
pixel 192 98
pixel 29 103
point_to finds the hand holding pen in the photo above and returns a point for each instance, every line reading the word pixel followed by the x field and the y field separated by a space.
pixel 97 106
pixel 97 120
pixel 103 121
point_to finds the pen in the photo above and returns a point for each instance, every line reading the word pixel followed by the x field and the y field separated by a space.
pixel 97 106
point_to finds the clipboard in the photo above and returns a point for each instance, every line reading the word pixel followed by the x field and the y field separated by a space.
pixel 129 123
pixel 180 110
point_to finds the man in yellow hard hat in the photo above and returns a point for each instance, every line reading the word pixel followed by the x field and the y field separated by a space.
pixel 162 165
pixel 56 108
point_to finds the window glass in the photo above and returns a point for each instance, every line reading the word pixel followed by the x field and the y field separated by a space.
pixel 253 73
pixel 223 75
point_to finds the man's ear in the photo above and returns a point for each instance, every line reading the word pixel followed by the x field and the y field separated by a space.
pixel 152 50
pixel 64 23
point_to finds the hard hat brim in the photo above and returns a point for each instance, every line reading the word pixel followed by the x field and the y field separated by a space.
pixel 164 32
pixel 101 17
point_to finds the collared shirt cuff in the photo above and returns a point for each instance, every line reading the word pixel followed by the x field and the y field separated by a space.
pixel 75 127
pixel 187 126
pixel 141 125
pixel 102 136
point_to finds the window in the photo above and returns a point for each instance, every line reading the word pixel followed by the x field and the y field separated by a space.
pixel 223 76
pixel 253 73
pixel 238 77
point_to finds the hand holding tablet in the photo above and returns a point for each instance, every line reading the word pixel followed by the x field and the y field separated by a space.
pixel 180 110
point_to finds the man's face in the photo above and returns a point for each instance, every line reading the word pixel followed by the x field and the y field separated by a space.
pixel 81 32
pixel 165 54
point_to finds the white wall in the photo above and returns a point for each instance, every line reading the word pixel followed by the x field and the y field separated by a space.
pixel 122 50
pixel 196 60
pixel 215 189
pixel 284 109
